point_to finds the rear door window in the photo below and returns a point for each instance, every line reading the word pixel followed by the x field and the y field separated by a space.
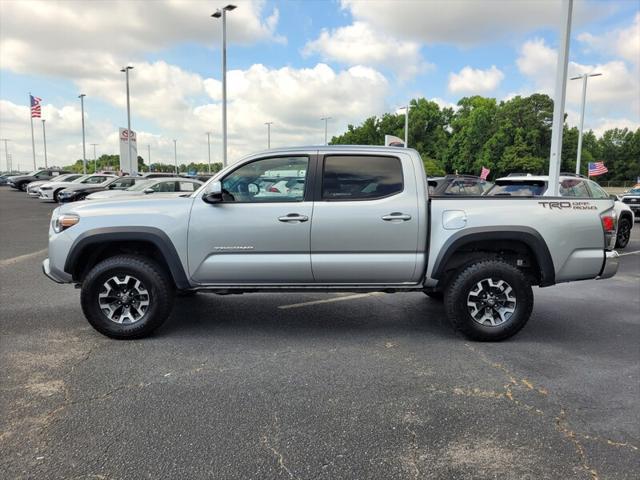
pixel 574 188
pixel 361 177
pixel 520 189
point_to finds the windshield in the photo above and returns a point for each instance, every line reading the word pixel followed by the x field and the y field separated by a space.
pixel 634 191
pixel 80 179
pixel 527 188
pixel 138 187
pixel 31 174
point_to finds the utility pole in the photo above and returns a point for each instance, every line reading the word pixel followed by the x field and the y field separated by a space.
pixel 44 139
pixel 406 125
pixel 32 103
pixel 132 168
pixel 84 152
pixel 6 153
pixel 95 158
pixel 555 156
pixel 175 154
pixel 584 78
pixel 218 14
pixel 268 124
pixel 209 149
pixel 326 119
pixel 149 155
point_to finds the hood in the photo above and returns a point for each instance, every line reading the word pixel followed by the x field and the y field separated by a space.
pixel 80 186
pixel 19 178
pixel 143 209
pixel 112 194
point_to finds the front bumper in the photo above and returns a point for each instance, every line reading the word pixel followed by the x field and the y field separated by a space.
pixel 52 274
pixel 610 266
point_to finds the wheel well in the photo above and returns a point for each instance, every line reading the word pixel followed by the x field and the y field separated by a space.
pixel 626 215
pixel 92 254
pixel 513 252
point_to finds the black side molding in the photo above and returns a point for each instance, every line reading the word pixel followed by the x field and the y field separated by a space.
pixel 526 235
pixel 152 235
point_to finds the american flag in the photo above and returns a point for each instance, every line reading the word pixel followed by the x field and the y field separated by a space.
pixel 484 173
pixel 597 168
pixel 36 111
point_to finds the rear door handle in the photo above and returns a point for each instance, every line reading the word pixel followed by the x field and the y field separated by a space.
pixel 396 216
pixel 293 217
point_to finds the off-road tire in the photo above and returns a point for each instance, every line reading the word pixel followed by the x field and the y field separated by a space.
pixel 155 279
pixel 624 233
pixel 463 282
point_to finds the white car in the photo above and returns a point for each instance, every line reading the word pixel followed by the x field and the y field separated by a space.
pixel 176 187
pixel 49 191
pixel 33 188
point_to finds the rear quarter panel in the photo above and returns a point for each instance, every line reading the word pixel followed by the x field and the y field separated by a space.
pixel 572 230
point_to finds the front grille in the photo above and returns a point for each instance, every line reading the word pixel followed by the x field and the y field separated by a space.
pixel 631 200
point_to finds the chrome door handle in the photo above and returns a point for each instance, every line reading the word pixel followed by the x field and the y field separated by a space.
pixel 293 217
pixel 396 216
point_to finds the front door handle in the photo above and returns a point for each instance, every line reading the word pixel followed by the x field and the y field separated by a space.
pixel 396 216
pixel 293 217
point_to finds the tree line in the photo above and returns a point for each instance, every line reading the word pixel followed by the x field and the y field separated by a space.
pixel 505 136
pixel 112 162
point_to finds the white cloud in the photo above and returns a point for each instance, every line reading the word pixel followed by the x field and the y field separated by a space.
pixel 475 81
pixel 359 44
pixel 463 22
pixel 175 101
pixel 617 90
pixel 623 43
pixel 71 38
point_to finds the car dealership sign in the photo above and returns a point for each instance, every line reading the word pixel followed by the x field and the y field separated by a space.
pixel 125 166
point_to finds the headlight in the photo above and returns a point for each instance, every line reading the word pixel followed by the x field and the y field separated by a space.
pixel 45 188
pixel 64 221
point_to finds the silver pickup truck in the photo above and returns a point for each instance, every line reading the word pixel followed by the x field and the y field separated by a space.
pixel 331 219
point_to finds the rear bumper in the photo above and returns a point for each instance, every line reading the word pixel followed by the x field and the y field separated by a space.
pixel 610 266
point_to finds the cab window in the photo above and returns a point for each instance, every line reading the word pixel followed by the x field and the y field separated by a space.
pixel 574 188
pixel 348 178
pixel 597 191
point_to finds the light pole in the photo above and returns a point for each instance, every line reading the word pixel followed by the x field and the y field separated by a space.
pixel 584 78
pixel 406 125
pixel 555 155
pixel 149 155
pixel 268 124
pixel 125 70
pixel 44 139
pixel 6 153
pixel 175 154
pixel 223 13
pixel 84 148
pixel 95 158
pixel 209 149
pixel 326 119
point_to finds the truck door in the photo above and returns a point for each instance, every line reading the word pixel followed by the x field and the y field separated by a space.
pixel 365 221
pixel 260 233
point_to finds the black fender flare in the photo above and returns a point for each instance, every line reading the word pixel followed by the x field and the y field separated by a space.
pixel 527 235
pixel 119 234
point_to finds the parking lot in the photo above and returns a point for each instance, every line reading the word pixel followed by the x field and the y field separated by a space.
pixel 369 386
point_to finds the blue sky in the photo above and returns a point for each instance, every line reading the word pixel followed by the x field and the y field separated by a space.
pixel 348 59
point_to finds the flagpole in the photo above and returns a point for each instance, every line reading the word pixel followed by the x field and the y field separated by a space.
pixel 33 138
pixel 44 138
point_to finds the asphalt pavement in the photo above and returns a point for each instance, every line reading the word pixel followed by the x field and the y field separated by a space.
pixel 323 386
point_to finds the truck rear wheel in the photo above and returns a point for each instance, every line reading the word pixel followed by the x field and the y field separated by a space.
pixel 126 296
pixel 489 300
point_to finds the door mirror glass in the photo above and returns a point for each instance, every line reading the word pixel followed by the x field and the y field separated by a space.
pixel 213 193
pixel 148 190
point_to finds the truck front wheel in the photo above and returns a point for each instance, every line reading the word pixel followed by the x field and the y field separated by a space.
pixel 126 296
pixel 489 300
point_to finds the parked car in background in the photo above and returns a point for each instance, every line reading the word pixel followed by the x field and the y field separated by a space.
pixel 571 185
pixel 632 198
pixel 33 188
pixel 50 191
pixel 20 182
pixel 177 186
pixel 74 193
pixel 457 185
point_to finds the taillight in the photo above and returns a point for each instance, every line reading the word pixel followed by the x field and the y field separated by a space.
pixel 609 225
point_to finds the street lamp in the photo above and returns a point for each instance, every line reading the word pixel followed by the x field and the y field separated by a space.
pixel 44 139
pixel 6 153
pixel 584 78
pixel 95 158
pixel 406 125
pixel 209 149
pixel 84 149
pixel 149 156
pixel 326 119
pixel 222 13
pixel 132 169
pixel 175 154
pixel 268 124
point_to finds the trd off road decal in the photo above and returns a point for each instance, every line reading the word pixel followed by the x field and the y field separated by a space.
pixel 565 205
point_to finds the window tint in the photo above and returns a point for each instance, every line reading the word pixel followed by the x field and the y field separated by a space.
pixel 573 188
pixel 279 179
pixel 122 184
pixel 361 178
pixel 465 187
pixel 42 175
pixel 520 189
pixel 597 191
pixel 164 187
pixel 188 186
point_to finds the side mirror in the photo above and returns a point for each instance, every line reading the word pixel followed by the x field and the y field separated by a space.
pixel 213 193
pixel 147 191
pixel 614 197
